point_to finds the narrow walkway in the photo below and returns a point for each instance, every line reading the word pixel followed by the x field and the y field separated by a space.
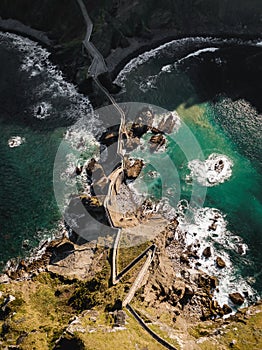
pixel 149 330
pixel 97 67
pixel 140 276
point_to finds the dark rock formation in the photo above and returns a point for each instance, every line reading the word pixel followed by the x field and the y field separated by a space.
pixel 97 177
pixel 156 142
pixel 207 252
pixel 237 298
pixel 132 143
pixel 69 343
pixel 184 258
pixel 227 309
pixel 220 262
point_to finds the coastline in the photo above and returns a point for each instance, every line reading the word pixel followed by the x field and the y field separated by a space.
pixel 17 27
pixel 119 56
pixel 171 287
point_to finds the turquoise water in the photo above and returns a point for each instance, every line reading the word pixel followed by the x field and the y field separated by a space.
pixel 225 125
pixel 231 127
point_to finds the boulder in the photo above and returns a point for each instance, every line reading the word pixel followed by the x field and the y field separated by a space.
pixel 157 141
pixel 212 227
pixel 184 258
pixel 207 252
pixel 213 281
pixel 179 288
pixel 133 169
pixel 207 282
pixel 220 262
pixel 227 309
pixel 236 298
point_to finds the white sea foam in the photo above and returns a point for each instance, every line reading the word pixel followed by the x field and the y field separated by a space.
pixel 51 90
pixel 213 171
pixel 173 45
pixel 15 141
pixel 209 228
pixel 148 83
pixel 167 68
pixel 198 52
pixel 42 110
pixel 162 117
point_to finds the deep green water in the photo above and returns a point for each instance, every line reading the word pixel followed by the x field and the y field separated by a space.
pixel 28 209
pixel 229 125
pixel 221 124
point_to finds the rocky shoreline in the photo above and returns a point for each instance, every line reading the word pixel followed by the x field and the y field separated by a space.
pixel 71 256
pixel 171 287
pixel 120 44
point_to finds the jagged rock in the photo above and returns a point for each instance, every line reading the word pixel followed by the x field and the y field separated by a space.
pixel 4 279
pixel 90 167
pixel 97 175
pixel 207 282
pixel 189 290
pixel 212 227
pixel 184 258
pixel 167 124
pixel 237 298
pixel 109 137
pixel 213 281
pixel 157 141
pixel 207 252
pixel 132 143
pixel 145 117
pixel 133 169
pixel 220 262
pixel 206 314
pixel 227 309
pixel 139 129
pixel 179 288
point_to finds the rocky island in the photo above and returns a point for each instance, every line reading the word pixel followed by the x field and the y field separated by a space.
pixel 130 280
